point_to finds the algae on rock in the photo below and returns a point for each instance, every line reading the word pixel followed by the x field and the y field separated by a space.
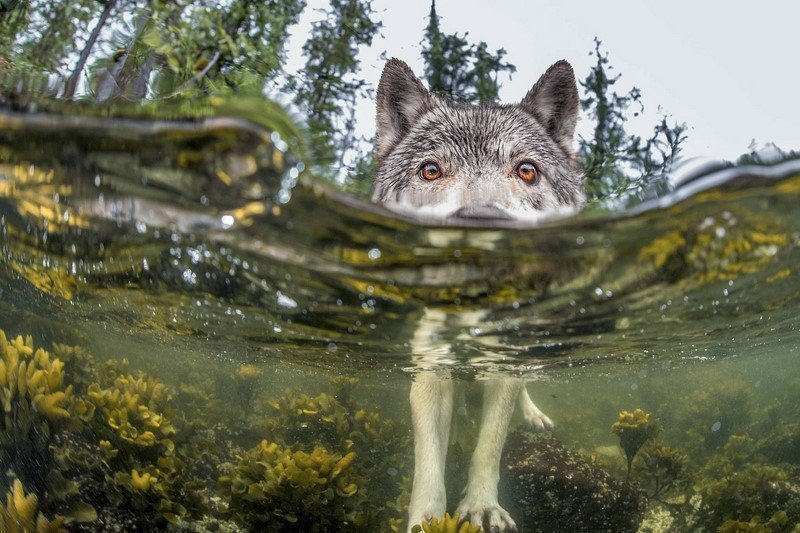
pixel 21 513
pixel 343 425
pixel 551 488
pixel 746 494
pixel 35 402
pixel 447 524
pixel 279 489
pixel 663 471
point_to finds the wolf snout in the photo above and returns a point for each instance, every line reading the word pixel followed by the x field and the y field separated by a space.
pixel 481 212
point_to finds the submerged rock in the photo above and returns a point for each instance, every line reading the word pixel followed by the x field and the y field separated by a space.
pixel 551 489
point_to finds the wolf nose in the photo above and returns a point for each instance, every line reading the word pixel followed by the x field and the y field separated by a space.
pixel 482 212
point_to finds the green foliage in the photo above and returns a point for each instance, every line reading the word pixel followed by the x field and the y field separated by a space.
pixel 21 513
pixel 36 405
pixel 458 69
pixel 634 429
pixel 447 524
pixel 203 47
pixel 343 425
pixel 276 488
pixel 616 163
pixel 747 494
pixel 327 88
pixel 663 471
pixel 130 51
pixel 43 32
pixel 151 48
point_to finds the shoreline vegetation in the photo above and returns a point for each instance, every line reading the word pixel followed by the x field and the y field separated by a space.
pixel 123 54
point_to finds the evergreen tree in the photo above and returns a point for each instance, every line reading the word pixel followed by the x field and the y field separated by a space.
pixel 132 50
pixel 458 69
pixel 485 72
pixel 327 88
pixel 616 163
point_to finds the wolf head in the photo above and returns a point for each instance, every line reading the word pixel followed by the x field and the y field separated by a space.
pixel 438 158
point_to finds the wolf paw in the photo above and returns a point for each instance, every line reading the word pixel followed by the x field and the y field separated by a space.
pixel 534 416
pixel 425 506
pixel 486 514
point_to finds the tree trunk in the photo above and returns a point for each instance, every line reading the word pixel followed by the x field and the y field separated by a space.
pixel 112 84
pixel 72 82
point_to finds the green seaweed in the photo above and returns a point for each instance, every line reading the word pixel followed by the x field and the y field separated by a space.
pixel 21 513
pixel 745 495
pixel 713 247
pixel 634 429
pixel 736 486
pixel 777 522
pixel 276 488
pixel 145 444
pixel 447 524
pixel 663 471
pixel 36 406
pixel 340 423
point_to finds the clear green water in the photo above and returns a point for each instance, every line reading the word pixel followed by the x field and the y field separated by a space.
pixel 207 256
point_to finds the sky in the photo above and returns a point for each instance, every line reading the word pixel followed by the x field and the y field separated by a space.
pixel 729 70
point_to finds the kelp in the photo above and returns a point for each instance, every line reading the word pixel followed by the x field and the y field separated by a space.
pixel 277 488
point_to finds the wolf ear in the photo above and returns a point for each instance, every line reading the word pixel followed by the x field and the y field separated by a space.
pixel 553 100
pixel 401 100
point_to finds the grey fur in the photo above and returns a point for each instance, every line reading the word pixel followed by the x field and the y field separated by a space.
pixel 477 148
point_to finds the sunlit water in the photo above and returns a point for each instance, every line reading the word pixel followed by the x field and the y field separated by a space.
pixel 207 255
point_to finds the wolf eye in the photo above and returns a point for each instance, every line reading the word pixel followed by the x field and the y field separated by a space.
pixel 526 171
pixel 430 171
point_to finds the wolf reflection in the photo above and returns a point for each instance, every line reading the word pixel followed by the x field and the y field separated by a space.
pixel 440 159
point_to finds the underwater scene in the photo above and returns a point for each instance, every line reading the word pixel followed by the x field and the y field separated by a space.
pixel 207 326
pixel 198 335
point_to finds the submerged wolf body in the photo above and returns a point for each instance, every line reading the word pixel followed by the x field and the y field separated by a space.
pixel 447 160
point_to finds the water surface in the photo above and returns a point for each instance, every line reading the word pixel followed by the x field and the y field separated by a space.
pixel 206 254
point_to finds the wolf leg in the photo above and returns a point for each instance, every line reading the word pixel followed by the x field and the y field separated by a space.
pixel 532 414
pixel 480 496
pixel 431 413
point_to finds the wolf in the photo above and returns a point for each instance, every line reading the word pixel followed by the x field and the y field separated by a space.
pixel 440 159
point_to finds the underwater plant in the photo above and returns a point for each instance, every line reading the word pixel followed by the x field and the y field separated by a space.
pixel 145 444
pixel 777 522
pixel 246 379
pixel 340 423
pixel 717 247
pixel 21 513
pixel 135 410
pixel 112 450
pixel 447 524
pixel 704 420
pixel 634 429
pixel 752 492
pixel 36 403
pixel 276 488
pixel 662 470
